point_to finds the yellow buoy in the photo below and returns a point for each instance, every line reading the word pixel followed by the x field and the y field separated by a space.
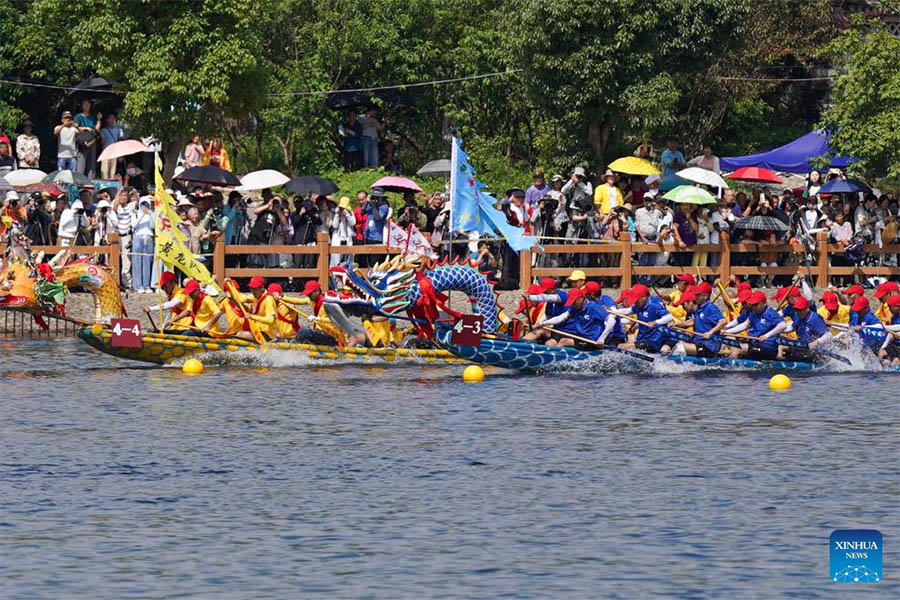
pixel 779 382
pixel 192 366
pixel 473 374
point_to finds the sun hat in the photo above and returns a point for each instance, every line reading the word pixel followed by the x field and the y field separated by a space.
pixel 577 275
pixel 344 203
pixel 651 179
pixel 578 171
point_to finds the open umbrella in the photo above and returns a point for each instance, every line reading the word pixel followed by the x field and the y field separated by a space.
pixel 309 184
pixel 844 186
pixel 689 194
pixel 123 148
pixel 396 184
pixel 756 174
pixel 435 168
pixel 209 175
pixel 260 180
pixel 41 186
pixel 761 223
pixel 68 177
pixel 632 165
pixel 25 177
pixel 703 177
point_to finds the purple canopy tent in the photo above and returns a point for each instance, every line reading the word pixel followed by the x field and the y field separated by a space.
pixel 793 157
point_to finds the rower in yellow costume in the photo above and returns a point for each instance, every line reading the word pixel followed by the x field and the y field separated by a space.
pixel 264 311
pixel 202 310
pixel 833 311
pixel 681 284
pixel 176 302
pixel 884 292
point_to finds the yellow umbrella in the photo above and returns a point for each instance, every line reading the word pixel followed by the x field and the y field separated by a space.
pixel 632 165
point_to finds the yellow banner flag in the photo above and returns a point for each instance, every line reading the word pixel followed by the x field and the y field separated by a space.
pixel 170 247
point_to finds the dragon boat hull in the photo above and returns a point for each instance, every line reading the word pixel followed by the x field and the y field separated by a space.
pixel 159 348
pixel 526 356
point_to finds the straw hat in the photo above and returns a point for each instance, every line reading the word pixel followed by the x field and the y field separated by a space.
pixel 344 203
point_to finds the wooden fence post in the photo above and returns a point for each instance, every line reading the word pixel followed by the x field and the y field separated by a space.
pixel 822 267
pixel 625 260
pixel 219 261
pixel 524 269
pixel 115 254
pixel 324 258
pixel 725 257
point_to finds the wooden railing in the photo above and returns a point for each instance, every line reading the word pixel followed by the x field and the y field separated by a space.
pixel 624 249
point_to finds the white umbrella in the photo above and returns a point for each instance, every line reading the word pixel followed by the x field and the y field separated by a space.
pixel 702 176
pixel 24 177
pixel 267 178
pixel 123 148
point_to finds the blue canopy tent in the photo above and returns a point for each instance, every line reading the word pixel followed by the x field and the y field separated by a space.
pixel 793 157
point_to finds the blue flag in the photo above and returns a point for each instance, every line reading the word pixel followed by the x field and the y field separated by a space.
pixel 473 210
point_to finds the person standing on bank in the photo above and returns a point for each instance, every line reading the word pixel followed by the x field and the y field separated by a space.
pixel 89 126
pixel 28 147
pixel 66 151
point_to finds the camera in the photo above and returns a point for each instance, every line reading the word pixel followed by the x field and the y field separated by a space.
pixel 549 205
pixel 217 211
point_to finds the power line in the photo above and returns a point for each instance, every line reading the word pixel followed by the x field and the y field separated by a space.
pixel 58 87
pixel 826 78
pixel 398 86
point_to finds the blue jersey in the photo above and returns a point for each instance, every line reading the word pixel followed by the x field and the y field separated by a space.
pixel 654 309
pixel 608 304
pixel 554 309
pixel 811 328
pixel 706 317
pixel 590 320
pixel 762 324
pixel 872 337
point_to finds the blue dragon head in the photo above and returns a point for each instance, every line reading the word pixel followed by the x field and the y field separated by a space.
pixel 387 287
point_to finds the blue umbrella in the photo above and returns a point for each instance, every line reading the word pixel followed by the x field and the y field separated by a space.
pixel 844 186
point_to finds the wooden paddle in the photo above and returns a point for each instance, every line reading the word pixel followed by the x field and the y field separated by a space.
pixel 254 328
pixel 607 347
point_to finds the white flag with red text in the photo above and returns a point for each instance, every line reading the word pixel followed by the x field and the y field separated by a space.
pixel 410 241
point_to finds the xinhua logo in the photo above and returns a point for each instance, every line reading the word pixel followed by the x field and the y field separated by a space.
pixel 855 556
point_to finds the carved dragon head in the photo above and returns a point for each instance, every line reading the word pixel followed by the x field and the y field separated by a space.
pixel 386 287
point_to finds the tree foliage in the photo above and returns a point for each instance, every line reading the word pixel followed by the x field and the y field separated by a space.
pixel 865 116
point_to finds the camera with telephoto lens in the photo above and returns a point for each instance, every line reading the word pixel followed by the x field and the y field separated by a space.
pixel 548 205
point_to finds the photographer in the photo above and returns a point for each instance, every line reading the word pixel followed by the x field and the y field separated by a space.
pixel 268 217
pixel 304 220
pixel 103 222
pixel 13 210
pixel 215 221
pixel 38 226
pixel 411 213
pixel 376 210
pixel 484 260
pixel 73 223
pixel 432 210
pixel 343 230
pixel 544 221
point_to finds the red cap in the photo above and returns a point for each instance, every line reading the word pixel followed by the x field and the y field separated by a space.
pixel 311 286
pixel 893 301
pixel 789 291
pixel 639 290
pixel 861 303
pixel 190 286
pixel 165 277
pixel 744 286
pixel 534 289
pixel 744 295
pixel 275 288
pixel 687 278
pixel 591 287
pixel 574 295
pixel 703 288
pixel 547 283
pixel 256 282
pixel 799 302
pixel 885 288
pixel 830 300
pixel 855 289
pixel 625 296
pixel 686 297
pixel 756 297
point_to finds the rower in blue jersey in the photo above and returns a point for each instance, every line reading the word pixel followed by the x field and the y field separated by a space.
pixel 811 330
pixel 706 319
pixel 652 314
pixel 554 305
pixel 890 349
pixel 865 324
pixel 584 318
pixel 763 324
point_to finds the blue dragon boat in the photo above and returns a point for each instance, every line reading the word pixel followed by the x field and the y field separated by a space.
pixel 529 356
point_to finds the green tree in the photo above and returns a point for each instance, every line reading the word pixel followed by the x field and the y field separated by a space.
pixel 865 116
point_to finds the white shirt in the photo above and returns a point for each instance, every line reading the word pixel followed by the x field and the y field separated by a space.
pixel 68 224
pixel 369 126
pixel 342 225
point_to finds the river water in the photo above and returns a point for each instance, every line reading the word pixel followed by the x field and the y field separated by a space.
pixel 338 481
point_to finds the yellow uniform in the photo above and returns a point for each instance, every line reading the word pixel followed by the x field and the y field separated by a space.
pixel 236 321
pixel 286 322
pixel 323 323
pixel 841 315
pixel 264 313
pixel 676 311
pixel 884 312
pixel 203 312
pixel 184 303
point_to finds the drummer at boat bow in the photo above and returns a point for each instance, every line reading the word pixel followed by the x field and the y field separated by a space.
pixel 763 324
pixel 201 309
pixel 651 314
